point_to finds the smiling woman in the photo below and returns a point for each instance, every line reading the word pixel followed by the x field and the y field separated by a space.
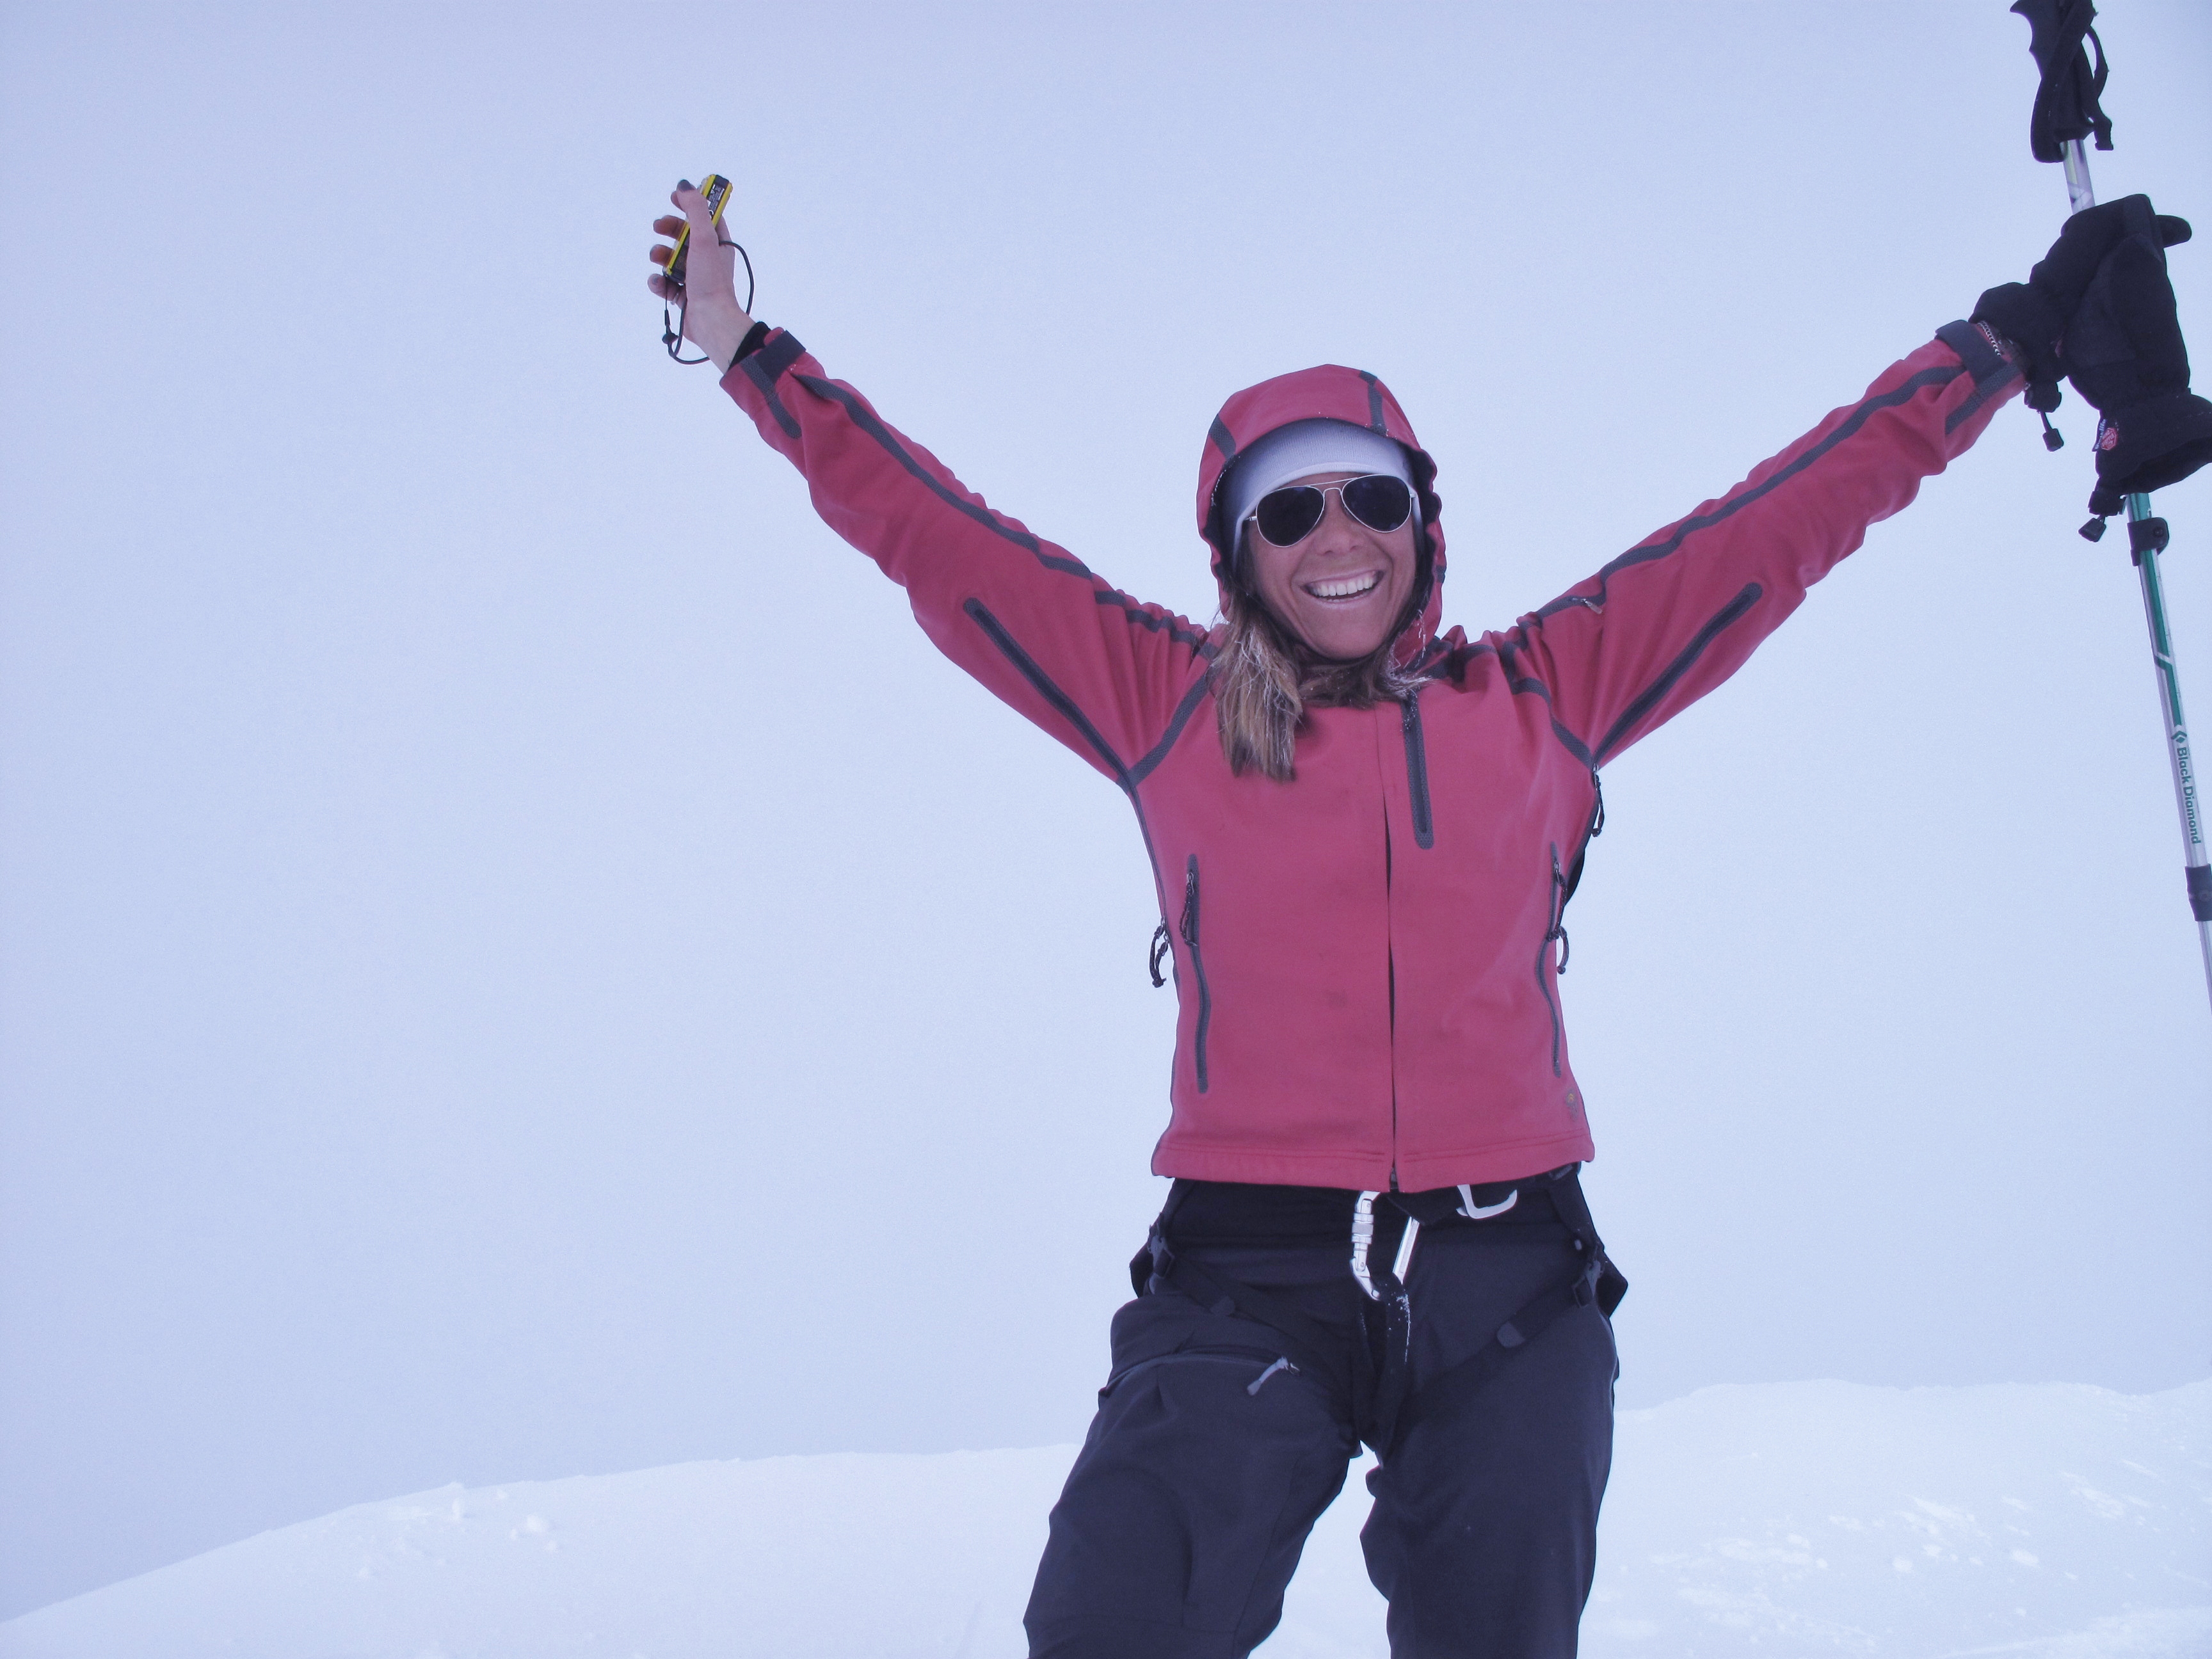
pixel 1363 859
pixel 1329 567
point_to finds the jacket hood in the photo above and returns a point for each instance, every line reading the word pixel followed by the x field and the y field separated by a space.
pixel 1331 392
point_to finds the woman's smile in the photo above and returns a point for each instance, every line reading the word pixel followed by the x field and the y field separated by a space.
pixel 1344 587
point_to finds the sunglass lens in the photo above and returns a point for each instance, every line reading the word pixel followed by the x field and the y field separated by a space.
pixel 1289 515
pixel 1379 502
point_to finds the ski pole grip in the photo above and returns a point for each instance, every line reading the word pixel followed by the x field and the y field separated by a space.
pixel 2066 102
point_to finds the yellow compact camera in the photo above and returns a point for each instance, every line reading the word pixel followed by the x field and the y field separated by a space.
pixel 716 189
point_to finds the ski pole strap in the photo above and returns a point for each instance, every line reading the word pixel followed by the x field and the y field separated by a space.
pixel 2066 103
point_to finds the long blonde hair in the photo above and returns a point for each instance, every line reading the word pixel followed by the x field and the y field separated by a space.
pixel 1265 679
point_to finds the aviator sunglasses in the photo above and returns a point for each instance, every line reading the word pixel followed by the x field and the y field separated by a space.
pixel 1288 515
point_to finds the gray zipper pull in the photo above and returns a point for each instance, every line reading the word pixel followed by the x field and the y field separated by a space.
pixel 1257 1382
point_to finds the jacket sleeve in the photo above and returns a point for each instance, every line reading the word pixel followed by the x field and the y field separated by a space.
pixel 1621 653
pixel 1112 679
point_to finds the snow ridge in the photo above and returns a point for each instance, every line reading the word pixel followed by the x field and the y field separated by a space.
pixel 2050 1522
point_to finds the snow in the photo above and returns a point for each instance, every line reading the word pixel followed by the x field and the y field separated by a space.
pixel 2049 1521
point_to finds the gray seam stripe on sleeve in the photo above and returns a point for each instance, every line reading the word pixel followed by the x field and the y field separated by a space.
pixel 1143 618
pixel 875 429
pixel 1046 689
pixel 1649 697
pixel 1851 423
pixel 1857 418
pixel 766 382
pixel 1982 394
pixel 1128 777
pixel 1158 751
pixel 889 444
pixel 1524 685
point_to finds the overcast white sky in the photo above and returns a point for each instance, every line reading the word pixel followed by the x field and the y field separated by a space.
pixel 516 958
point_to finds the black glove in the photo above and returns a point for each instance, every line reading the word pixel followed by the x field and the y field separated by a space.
pixel 2124 352
pixel 2033 315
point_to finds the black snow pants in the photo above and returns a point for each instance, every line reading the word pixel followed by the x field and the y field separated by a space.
pixel 1270 1337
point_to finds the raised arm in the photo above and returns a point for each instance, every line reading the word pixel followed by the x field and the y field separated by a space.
pixel 1112 679
pixel 1622 653
pixel 1671 619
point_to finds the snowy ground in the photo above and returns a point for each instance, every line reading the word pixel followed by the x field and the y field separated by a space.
pixel 1806 1518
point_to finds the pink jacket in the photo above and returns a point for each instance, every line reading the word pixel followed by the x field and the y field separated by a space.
pixel 1367 958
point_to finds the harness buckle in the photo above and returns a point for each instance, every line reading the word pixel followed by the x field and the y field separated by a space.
pixel 1474 1211
pixel 1153 1264
pixel 1586 1286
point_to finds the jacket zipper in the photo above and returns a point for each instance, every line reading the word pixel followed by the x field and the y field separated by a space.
pixel 1197 963
pixel 1582 853
pixel 1393 1063
pixel 1417 771
pixel 1545 969
pixel 1424 836
pixel 1390 961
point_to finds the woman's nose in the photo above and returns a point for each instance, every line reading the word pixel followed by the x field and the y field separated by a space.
pixel 1336 524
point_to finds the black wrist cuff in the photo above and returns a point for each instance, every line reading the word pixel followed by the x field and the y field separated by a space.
pixel 1983 360
pixel 2028 320
pixel 756 338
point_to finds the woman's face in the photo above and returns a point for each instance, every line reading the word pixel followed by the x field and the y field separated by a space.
pixel 1342 586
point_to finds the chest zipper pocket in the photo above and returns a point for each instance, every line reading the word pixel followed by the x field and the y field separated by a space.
pixel 1547 966
pixel 1197 965
pixel 1417 771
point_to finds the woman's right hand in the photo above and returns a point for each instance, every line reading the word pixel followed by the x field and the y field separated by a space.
pixel 713 319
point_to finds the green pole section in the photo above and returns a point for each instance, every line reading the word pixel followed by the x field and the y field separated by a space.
pixel 2196 858
pixel 2197 865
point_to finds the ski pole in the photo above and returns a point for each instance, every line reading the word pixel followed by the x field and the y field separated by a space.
pixel 2066 113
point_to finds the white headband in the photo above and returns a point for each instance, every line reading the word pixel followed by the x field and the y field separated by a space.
pixel 1301 450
